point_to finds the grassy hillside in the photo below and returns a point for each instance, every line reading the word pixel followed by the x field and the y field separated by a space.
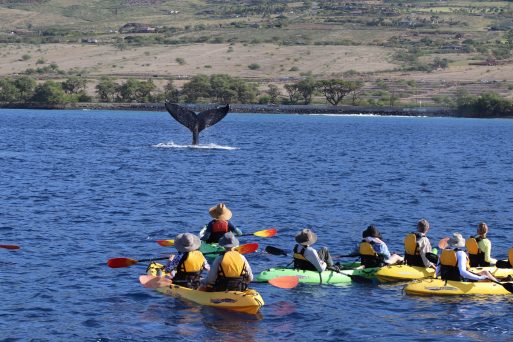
pixel 391 41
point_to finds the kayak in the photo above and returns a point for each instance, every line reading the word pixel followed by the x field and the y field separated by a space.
pixel 403 273
pixel 439 287
pixel 406 273
pixel 210 248
pixel 248 301
pixel 313 277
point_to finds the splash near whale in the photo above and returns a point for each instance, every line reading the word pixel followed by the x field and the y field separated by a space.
pixel 196 122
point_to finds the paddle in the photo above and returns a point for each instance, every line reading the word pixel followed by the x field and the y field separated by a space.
pixel 154 282
pixel 261 233
pixel 12 247
pixel 127 262
pixel 278 251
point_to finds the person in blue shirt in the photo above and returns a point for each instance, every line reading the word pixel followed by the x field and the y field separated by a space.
pixel 374 238
pixel 220 224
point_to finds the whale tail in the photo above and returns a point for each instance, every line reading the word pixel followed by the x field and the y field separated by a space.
pixel 196 122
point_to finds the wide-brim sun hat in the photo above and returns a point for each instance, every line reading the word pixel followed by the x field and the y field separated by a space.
pixel 456 241
pixel 187 242
pixel 228 240
pixel 306 237
pixel 220 212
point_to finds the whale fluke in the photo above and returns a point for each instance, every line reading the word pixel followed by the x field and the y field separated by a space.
pixel 196 122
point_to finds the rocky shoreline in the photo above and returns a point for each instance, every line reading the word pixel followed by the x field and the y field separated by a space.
pixel 256 108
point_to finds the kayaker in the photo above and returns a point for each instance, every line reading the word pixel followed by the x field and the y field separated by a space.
pixel 230 271
pixel 220 224
pixel 186 266
pixel 373 251
pixel 417 247
pixel 306 257
pixel 479 248
pixel 454 263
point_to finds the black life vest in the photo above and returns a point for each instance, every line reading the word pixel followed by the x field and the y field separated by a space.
pixel 300 262
pixel 475 254
pixel 411 250
pixel 368 256
pixel 449 265
pixel 217 229
pixel 188 270
pixel 232 273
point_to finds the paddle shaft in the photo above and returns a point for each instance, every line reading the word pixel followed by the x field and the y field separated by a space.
pixel 165 258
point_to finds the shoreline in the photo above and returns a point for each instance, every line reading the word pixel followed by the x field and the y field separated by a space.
pixel 255 108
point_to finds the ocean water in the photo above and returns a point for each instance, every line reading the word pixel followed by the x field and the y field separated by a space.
pixel 80 187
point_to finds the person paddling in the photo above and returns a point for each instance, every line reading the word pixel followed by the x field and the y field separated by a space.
pixel 220 224
pixel 479 248
pixel 417 247
pixel 454 263
pixel 186 266
pixel 230 271
pixel 373 251
pixel 306 257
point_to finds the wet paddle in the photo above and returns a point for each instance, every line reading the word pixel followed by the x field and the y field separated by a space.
pixel 154 282
pixel 11 247
pixel 127 262
pixel 261 233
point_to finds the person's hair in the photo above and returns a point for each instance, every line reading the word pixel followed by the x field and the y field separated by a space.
pixel 371 231
pixel 482 228
pixel 423 226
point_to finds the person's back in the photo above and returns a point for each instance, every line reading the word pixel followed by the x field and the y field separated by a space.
pixel 307 258
pixel 219 225
pixel 479 248
pixel 417 247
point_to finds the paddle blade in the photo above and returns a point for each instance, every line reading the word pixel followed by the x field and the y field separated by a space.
pixel 266 233
pixel 285 282
pixel 166 243
pixel 121 262
pixel 247 248
pixel 274 251
pixel 443 243
pixel 11 247
pixel 154 282
pixel 508 286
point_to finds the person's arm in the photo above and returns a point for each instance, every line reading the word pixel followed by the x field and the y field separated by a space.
pixel 231 228
pixel 383 250
pixel 249 276
pixel 462 266
pixel 486 246
pixel 425 247
pixel 173 262
pixel 206 266
pixel 204 233
pixel 212 274
pixel 312 256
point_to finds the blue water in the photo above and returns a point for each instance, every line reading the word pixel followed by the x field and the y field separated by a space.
pixel 80 187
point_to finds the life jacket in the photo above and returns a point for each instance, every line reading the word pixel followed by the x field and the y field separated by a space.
pixel 300 262
pixel 449 265
pixel 217 229
pixel 368 256
pixel 510 257
pixel 411 250
pixel 188 270
pixel 232 273
pixel 475 254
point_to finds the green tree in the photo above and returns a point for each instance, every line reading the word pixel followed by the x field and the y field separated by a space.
pixel 74 85
pixel 8 91
pixel 198 86
pixel 293 92
pixel 306 88
pixel 145 90
pixel 128 91
pixel 49 92
pixel 106 89
pixel 171 93
pixel 26 86
pixel 274 93
pixel 334 90
pixel 355 91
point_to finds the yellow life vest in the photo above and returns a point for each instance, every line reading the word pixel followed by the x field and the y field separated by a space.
pixel 471 246
pixel 193 262
pixel 510 256
pixel 410 244
pixel 367 249
pixel 449 258
pixel 232 265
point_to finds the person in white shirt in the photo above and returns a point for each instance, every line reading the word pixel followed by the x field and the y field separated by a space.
pixel 306 257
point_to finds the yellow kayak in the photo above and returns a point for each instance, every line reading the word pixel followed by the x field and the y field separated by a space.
pixel 439 287
pixel 406 273
pixel 248 301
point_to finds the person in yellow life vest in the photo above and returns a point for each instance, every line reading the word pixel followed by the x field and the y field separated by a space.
pixel 417 247
pixel 186 266
pixel 219 225
pixel 306 257
pixel 454 264
pixel 230 271
pixel 479 248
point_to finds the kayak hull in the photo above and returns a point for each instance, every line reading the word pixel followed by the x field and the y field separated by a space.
pixel 249 301
pixel 439 287
pixel 396 273
pixel 304 276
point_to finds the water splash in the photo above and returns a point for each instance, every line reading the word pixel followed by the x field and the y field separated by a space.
pixel 201 147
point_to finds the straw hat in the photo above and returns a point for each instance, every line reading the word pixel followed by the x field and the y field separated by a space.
pixel 187 242
pixel 220 212
pixel 456 241
pixel 228 240
pixel 306 237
